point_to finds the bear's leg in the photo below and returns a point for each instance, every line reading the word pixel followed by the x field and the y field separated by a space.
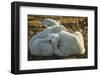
pixel 57 51
pixel 81 41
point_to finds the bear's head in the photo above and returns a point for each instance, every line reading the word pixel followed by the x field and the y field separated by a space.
pixel 50 22
pixel 53 38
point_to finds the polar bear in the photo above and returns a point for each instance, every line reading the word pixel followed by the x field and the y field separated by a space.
pixel 52 26
pixel 44 47
pixel 69 44
pixel 45 32
pixel 50 22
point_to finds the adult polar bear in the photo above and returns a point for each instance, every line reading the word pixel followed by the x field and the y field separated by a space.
pixel 52 27
pixel 69 44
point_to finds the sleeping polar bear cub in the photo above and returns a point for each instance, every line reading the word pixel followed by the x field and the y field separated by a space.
pixel 69 44
pixel 44 47
pixel 46 32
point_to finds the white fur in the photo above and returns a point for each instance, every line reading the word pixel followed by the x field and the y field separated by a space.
pixel 54 40
pixel 44 33
pixel 44 47
pixel 50 22
pixel 69 44
pixel 81 41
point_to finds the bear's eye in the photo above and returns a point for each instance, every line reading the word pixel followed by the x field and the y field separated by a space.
pixel 50 41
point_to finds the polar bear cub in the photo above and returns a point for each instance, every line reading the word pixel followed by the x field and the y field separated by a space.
pixel 44 47
pixel 44 33
pixel 69 44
